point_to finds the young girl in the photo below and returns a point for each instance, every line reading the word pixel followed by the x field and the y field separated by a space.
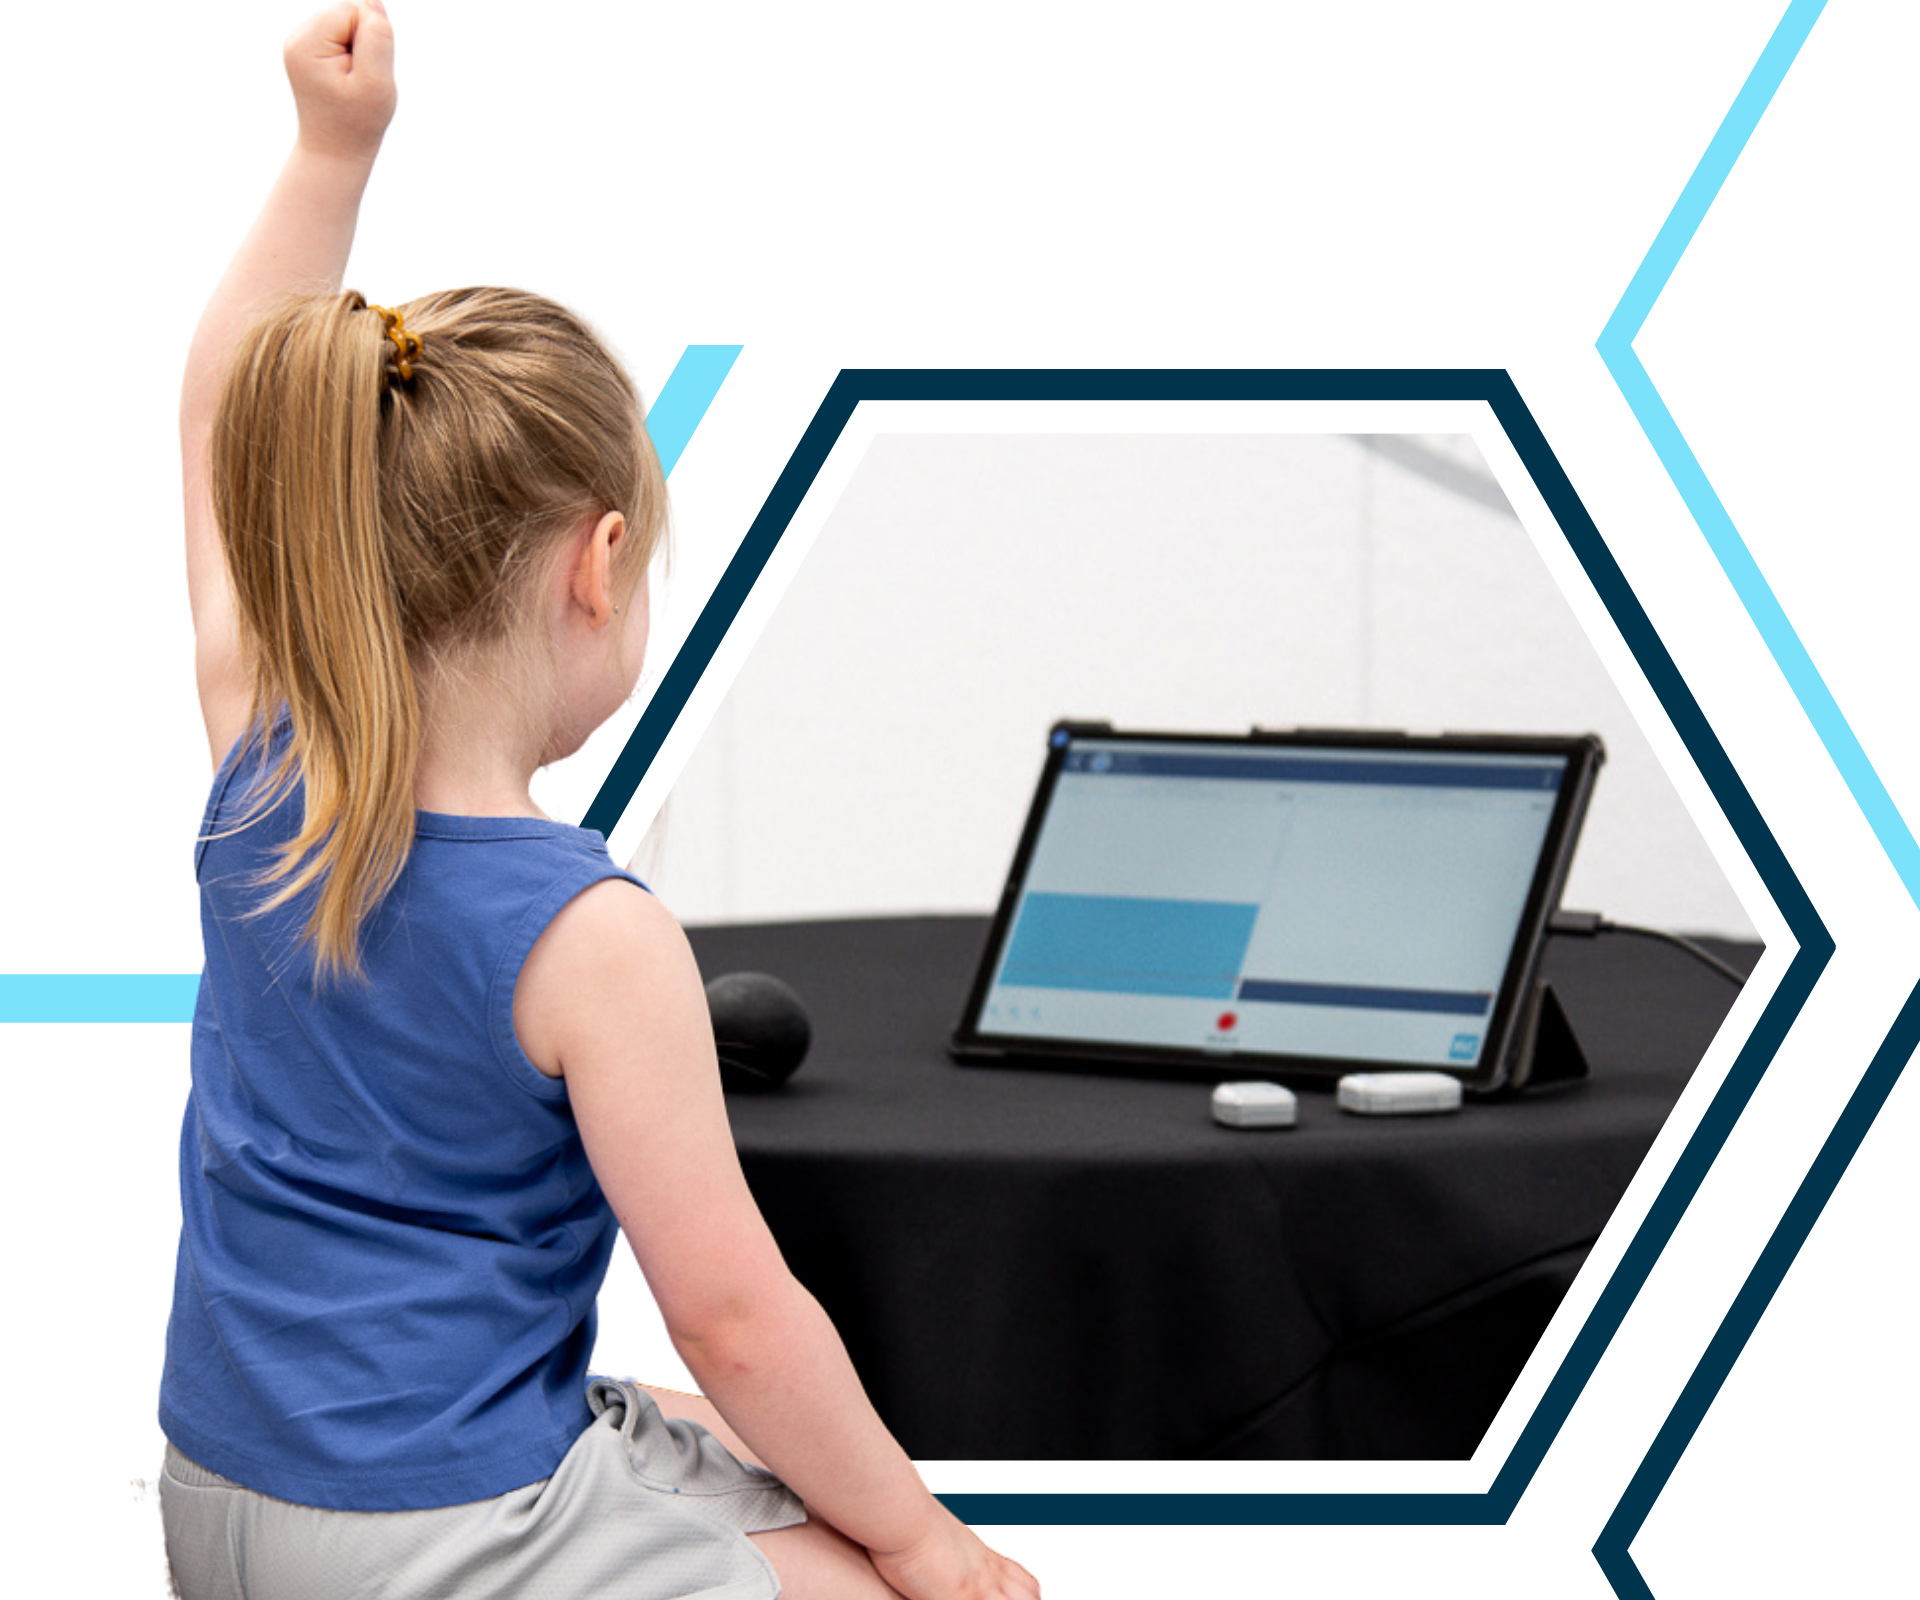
pixel 444 1047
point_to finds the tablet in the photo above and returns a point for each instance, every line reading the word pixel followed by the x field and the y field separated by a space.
pixel 1279 904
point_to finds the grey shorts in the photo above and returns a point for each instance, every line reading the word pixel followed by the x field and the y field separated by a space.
pixel 643 1507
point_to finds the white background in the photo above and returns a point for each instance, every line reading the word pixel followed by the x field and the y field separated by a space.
pixel 1033 185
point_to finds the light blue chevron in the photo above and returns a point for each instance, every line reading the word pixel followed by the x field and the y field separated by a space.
pixel 1756 594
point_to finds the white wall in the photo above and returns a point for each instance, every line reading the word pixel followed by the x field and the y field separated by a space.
pixel 878 749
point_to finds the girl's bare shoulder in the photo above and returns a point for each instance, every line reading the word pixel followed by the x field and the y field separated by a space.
pixel 612 964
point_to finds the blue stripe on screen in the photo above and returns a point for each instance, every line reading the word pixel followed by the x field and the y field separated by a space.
pixel 1449 1002
pixel 1541 776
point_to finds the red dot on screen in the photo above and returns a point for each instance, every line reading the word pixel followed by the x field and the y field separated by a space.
pixel 1227 1020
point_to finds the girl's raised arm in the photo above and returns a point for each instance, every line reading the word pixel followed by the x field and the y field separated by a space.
pixel 340 64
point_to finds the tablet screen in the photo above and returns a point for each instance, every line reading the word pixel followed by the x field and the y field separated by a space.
pixel 1334 903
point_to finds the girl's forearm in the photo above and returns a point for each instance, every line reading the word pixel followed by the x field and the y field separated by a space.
pixel 780 1375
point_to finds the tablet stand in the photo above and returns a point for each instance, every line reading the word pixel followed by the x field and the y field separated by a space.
pixel 1546 1054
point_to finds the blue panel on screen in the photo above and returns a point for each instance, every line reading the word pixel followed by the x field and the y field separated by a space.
pixel 1124 945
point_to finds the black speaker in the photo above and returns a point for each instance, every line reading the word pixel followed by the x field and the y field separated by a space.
pixel 760 1030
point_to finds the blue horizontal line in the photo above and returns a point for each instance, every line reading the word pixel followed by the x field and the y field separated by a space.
pixel 1225 1510
pixel 98 996
pixel 1452 1002
pixel 1536 775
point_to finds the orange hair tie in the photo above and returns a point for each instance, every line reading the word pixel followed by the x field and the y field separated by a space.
pixel 407 344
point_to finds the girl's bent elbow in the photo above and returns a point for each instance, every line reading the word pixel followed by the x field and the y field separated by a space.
pixel 740 1333
pixel 717 1350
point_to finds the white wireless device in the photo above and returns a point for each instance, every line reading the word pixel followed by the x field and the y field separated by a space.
pixel 1398 1094
pixel 1254 1105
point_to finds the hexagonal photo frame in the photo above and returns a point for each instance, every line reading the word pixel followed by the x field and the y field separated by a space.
pixel 1495 391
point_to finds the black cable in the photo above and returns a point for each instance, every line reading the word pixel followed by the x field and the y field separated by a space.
pixel 1586 924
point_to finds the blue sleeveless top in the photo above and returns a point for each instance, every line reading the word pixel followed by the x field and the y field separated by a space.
pixel 391 1240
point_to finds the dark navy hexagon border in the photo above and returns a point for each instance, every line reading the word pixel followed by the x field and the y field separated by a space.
pixel 1815 946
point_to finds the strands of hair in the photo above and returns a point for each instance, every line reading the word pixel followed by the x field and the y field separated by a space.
pixel 375 528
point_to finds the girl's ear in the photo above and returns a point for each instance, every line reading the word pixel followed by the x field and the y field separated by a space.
pixel 591 582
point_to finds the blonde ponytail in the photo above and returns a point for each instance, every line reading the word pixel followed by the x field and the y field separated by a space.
pixel 371 524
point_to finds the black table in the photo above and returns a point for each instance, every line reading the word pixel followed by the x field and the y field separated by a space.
pixel 1041 1265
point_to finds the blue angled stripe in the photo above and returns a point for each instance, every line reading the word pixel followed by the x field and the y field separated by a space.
pixel 1756 1294
pixel 1650 411
pixel 684 398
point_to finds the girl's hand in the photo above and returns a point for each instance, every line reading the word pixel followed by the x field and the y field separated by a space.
pixel 951 1563
pixel 340 64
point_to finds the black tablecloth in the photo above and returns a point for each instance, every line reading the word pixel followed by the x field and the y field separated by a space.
pixel 1043 1265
